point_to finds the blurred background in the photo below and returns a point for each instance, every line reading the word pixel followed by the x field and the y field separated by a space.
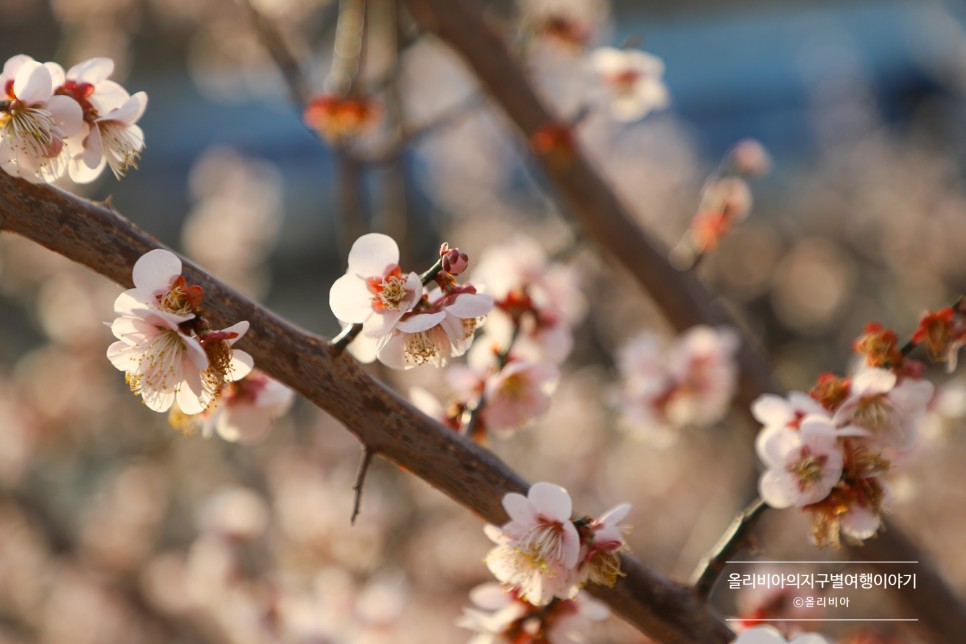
pixel 115 528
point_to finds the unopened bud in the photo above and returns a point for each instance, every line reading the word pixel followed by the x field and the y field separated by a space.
pixel 455 261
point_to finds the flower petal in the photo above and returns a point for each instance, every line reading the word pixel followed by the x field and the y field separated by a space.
pixel 551 501
pixel 156 269
pixel 372 254
pixel 350 300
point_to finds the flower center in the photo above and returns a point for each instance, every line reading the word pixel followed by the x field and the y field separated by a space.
pixel 809 469
pixel 421 348
pixel 389 291
pixel 122 147
pixel 625 81
pixel 873 412
pixel 31 130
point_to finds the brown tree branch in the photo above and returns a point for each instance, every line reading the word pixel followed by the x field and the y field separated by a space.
pixel 735 537
pixel 99 238
pixel 463 26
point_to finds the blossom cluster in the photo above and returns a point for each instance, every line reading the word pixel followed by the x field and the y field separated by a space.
pixel 542 553
pixel 627 82
pixel 175 361
pixel 403 325
pixel 828 451
pixel 688 384
pixel 76 122
pixel 512 369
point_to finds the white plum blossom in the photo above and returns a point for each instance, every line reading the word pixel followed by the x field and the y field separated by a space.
pixel 34 123
pixel 110 135
pixel 517 394
pixel 599 562
pixel 245 409
pixel 689 384
pixel 164 365
pixel 889 411
pixel 444 329
pixel 168 353
pixel 543 555
pixel 803 465
pixel 538 549
pixel 702 362
pixel 159 285
pixel 631 80
pixel 540 297
pixel 156 355
pixel 374 292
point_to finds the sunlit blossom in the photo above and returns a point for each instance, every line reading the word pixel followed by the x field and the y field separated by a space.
pixel 34 123
pixel 110 136
pixel 888 409
pixel 374 291
pixel 632 80
pixel 803 465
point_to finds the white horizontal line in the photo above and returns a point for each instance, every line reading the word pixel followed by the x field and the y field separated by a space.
pixel 845 561
pixel 857 619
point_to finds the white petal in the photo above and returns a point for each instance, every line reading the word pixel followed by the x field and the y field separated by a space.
pixel 241 328
pixel 67 114
pixel 551 501
pixel 470 305
pixel 615 515
pixel 350 299
pixel 518 507
pixel 873 381
pixel 819 433
pixel 774 444
pixel 778 489
pixel 391 351
pixel 860 523
pixel 159 401
pixel 420 322
pixel 108 96
pixel 129 111
pixel 92 71
pixel 372 254
pixel 241 365
pixel 156 269
pixel 119 353
pixel 772 411
pixel 13 65
pixel 33 83
pixel 57 76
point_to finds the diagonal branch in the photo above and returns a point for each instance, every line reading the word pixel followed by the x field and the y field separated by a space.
pixel 104 241
pixel 462 25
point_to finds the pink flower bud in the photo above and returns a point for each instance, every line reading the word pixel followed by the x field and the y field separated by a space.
pixel 455 261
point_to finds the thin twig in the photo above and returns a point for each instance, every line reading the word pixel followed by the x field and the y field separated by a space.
pixel 735 537
pixel 364 464
pixel 347 335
